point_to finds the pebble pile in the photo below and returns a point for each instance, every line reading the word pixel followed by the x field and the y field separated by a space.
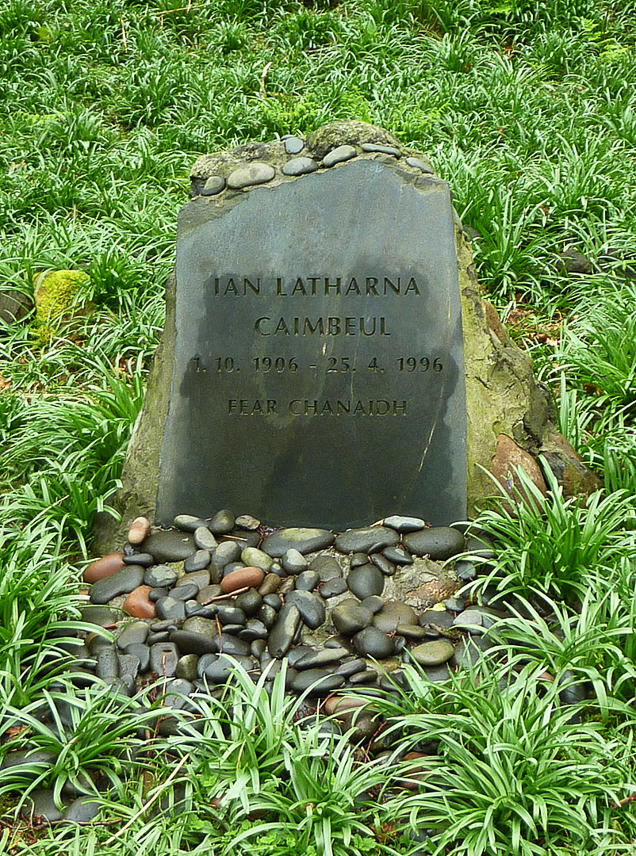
pixel 345 610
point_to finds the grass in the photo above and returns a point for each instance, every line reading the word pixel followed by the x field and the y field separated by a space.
pixel 526 107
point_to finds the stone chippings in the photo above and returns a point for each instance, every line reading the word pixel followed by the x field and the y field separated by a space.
pixel 345 609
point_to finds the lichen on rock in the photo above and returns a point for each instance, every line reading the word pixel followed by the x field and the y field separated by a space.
pixel 56 294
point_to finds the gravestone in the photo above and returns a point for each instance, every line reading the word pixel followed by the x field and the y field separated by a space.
pixel 327 357
pixel 318 369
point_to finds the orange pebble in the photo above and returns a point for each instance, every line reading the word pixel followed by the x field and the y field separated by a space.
pixel 103 567
pixel 242 578
pixel 138 604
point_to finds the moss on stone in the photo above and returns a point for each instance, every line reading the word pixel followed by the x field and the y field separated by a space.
pixel 55 294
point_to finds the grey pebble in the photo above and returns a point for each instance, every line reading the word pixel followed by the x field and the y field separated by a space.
pixel 160 576
pixel 392 615
pixel 250 174
pixel 351 667
pixel 307 580
pixel 386 150
pixel 339 155
pixel 371 642
pixel 156 594
pixel 365 581
pixel 374 602
pixel 333 587
pixel 321 657
pixel 404 524
pixel 184 592
pixel 215 184
pixel 327 566
pixel 187 667
pixel 188 522
pixel 293 145
pixel 204 539
pixel 316 682
pixel 249 602
pixel 227 552
pixel 107 664
pixel 134 633
pixel 282 633
pixel 143 559
pixel 246 521
pixel 129 664
pixel 398 555
pixel 222 522
pixel 82 810
pixel 164 657
pixel 358 559
pixel 170 546
pixel 383 564
pixel 301 539
pixel 439 542
pixel 170 608
pixel 310 606
pixel 254 558
pixel 121 582
pixel 102 616
pixel 176 692
pixel 368 676
pixel 300 166
pixel 254 630
pixel 220 669
pixel 368 539
pixel 198 561
pixel 142 653
pixel 350 617
pixel 200 579
pixel 432 653
pixel 294 562
pixel 421 165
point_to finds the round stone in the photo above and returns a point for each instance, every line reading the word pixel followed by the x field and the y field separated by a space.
pixel 249 602
pixel 404 524
pixel 368 539
pixel 358 559
pixel 439 542
pixel 170 546
pixel 374 602
pixel 121 582
pixel 242 578
pixel 282 633
pixel 294 562
pixel 383 564
pixel 198 561
pixel 371 642
pixel 246 521
pixel 164 658
pixel 143 559
pixel 204 539
pixel 168 608
pixel 318 658
pixel 310 606
pixel 300 166
pixel 293 145
pixel 134 633
pixel 138 603
pixel 219 670
pixel 139 531
pixel 316 682
pixel 392 615
pixel 227 552
pixel 385 150
pixel 365 581
pixel 255 558
pixel 222 522
pixel 433 653
pixel 307 581
pixel 398 555
pixel 188 522
pixel 303 540
pixel 200 579
pixel 339 155
pixel 333 587
pixel 213 185
pixel 103 567
pixel 421 165
pixel 349 617
pixel 160 576
pixel 270 584
pixel 250 174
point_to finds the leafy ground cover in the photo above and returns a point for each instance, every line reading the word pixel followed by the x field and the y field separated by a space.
pixel 527 108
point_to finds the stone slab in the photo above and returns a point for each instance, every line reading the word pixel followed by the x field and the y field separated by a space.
pixel 318 370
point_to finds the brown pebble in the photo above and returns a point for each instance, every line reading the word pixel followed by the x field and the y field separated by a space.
pixel 139 531
pixel 138 604
pixel 242 578
pixel 416 772
pixel 341 705
pixel 103 567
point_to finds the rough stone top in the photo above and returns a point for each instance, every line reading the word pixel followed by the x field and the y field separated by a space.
pixel 231 172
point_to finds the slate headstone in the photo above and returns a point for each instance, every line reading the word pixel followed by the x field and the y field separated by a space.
pixel 318 371
pixel 367 256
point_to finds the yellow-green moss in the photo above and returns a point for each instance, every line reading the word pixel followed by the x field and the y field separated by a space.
pixel 55 292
